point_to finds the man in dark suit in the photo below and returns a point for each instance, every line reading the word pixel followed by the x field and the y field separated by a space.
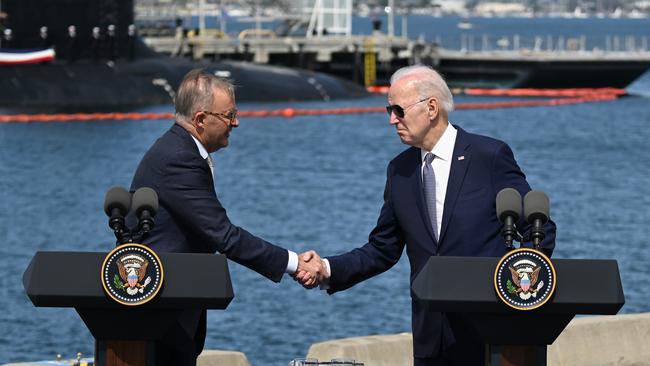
pixel 439 199
pixel 190 218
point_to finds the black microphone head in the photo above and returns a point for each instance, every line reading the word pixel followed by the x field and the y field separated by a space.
pixel 508 204
pixel 117 198
pixel 145 198
pixel 536 206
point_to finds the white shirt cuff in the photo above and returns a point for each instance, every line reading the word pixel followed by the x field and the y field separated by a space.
pixel 292 263
pixel 325 284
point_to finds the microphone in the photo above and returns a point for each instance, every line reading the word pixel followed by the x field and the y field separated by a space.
pixel 536 210
pixel 145 205
pixel 116 206
pixel 509 212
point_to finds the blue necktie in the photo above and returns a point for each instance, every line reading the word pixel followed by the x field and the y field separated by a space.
pixel 429 186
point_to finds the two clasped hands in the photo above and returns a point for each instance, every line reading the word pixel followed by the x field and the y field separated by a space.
pixel 312 270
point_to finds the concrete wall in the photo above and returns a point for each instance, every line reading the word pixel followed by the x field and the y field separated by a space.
pixel 380 350
pixel 621 340
pixel 207 358
pixel 222 358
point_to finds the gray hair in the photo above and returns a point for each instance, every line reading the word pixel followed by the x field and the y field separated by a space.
pixel 196 93
pixel 430 83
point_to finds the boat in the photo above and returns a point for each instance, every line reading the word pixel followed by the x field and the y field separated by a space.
pixel 96 62
pixel 464 25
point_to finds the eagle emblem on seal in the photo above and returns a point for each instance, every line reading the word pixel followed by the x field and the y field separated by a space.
pixel 525 275
pixel 524 279
pixel 132 269
pixel 132 274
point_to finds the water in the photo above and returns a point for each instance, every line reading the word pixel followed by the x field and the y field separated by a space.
pixel 312 182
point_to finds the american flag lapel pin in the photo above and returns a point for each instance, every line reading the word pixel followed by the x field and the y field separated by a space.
pixel 462 157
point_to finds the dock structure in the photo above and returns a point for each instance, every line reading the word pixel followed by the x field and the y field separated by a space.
pixel 371 59
pixel 259 49
pixel 526 68
pixel 324 43
pixel 339 55
pixel 329 46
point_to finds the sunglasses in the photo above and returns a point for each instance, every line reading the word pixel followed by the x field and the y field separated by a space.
pixel 400 111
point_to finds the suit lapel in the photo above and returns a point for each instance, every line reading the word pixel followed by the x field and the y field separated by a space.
pixel 416 181
pixel 460 161
pixel 189 143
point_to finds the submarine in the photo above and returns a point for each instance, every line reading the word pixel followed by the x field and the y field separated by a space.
pixel 102 65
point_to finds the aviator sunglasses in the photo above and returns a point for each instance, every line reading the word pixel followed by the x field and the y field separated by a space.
pixel 400 111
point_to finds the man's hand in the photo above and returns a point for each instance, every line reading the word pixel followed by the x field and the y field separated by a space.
pixel 311 270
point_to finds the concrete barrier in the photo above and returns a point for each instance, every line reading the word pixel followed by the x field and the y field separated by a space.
pixel 222 358
pixel 379 350
pixel 620 340
pixel 206 358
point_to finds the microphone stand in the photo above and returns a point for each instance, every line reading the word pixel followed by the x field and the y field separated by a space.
pixel 116 222
pixel 125 235
pixel 510 233
pixel 537 233
pixel 145 225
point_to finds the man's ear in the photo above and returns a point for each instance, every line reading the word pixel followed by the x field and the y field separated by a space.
pixel 433 108
pixel 198 120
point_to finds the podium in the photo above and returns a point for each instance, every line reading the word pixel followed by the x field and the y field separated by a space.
pixel 125 335
pixel 464 285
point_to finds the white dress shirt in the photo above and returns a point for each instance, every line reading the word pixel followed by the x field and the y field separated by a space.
pixel 292 263
pixel 443 151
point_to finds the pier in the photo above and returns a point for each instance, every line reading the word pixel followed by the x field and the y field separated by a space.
pixel 371 59
pixel 320 38
pixel 362 59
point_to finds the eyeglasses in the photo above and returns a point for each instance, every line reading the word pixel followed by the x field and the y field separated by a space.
pixel 400 111
pixel 230 116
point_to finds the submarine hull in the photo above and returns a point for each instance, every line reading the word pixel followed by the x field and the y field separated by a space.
pixel 88 86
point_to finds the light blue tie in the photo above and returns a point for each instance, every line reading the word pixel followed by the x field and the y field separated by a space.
pixel 429 186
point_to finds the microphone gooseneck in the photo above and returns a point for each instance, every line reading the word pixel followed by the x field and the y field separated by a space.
pixel 536 211
pixel 508 208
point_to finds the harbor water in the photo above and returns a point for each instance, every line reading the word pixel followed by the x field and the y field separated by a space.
pixel 312 182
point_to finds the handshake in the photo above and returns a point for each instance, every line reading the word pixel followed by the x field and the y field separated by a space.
pixel 312 270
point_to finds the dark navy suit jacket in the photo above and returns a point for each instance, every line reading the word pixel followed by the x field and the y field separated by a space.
pixel 480 168
pixel 190 218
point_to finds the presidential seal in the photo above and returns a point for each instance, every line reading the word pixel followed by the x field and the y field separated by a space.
pixel 132 274
pixel 524 279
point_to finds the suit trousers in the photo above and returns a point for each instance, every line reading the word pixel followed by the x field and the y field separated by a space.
pixel 176 349
pixel 457 355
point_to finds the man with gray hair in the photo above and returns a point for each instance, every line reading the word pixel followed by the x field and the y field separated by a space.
pixel 439 200
pixel 190 218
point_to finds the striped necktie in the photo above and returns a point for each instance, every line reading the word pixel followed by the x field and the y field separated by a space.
pixel 429 187
pixel 210 163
